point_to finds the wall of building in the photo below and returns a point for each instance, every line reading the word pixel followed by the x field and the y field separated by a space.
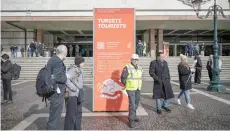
pixel 149 5
pixel 11 37
pixel 49 40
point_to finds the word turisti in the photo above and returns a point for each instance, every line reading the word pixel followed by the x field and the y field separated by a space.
pixel 110 23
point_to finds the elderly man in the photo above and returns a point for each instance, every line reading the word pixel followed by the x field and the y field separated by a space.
pixel 58 70
pixel 162 89
pixel 131 77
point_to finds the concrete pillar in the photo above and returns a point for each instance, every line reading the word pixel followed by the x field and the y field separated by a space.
pixel 175 50
pixel 152 45
pixel 146 40
pixel 220 49
pixel 40 35
pixel 160 40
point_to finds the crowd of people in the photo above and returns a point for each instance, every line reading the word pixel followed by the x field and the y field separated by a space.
pixel 34 49
pixel 192 49
pixel 142 48
pixel 38 49
pixel 69 85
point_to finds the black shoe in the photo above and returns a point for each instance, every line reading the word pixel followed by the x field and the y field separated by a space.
pixel 159 111
pixel 131 124
pixel 136 120
pixel 166 109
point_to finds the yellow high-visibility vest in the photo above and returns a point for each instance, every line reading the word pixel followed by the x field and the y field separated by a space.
pixel 134 79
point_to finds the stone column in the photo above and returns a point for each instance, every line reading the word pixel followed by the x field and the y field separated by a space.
pixel 152 45
pixel 160 40
pixel 220 49
pixel 175 50
pixel 146 40
pixel 40 35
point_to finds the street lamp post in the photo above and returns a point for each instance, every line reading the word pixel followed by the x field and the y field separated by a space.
pixel 215 9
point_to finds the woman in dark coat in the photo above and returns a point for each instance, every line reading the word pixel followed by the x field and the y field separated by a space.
pixel 6 76
pixel 185 72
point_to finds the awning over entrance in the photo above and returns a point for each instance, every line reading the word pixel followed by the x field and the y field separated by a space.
pixel 140 25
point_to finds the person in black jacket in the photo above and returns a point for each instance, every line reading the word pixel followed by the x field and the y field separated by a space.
pixel 209 66
pixel 58 71
pixel 185 73
pixel 198 67
pixel 6 76
pixel 162 88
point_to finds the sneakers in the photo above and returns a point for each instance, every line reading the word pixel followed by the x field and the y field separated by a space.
pixel 190 106
pixel 178 101
pixel 5 101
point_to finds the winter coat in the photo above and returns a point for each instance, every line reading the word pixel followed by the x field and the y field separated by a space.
pixel 75 82
pixel 6 70
pixel 162 86
pixel 184 77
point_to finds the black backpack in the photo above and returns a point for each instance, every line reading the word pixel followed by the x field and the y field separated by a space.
pixel 15 71
pixel 45 84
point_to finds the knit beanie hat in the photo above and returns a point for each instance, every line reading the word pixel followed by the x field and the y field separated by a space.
pixel 78 60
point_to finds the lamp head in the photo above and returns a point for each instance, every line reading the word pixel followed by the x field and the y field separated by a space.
pixel 196 5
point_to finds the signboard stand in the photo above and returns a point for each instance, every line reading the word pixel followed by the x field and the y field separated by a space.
pixel 114 44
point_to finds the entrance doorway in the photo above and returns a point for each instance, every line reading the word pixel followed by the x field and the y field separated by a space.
pixel 82 49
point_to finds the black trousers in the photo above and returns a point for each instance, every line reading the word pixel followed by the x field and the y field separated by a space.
pixel 197 76
pixel 55 111
pixel 210 74
pixel 73 114
pixel 7 89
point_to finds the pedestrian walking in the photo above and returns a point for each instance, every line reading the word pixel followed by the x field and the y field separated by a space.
pixel 185 74
pixel 186 49
pixel 144 49
pixel 162 89
pixel 131 77
pixel 77 50
pixel 22 51
pixel 58 71
pixel 6 76
pixel 198 68
pixel 76 95
pixel 140 48
pixel 209 66
pixel 71 51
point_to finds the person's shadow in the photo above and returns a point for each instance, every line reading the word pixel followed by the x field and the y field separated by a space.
pixel 115 102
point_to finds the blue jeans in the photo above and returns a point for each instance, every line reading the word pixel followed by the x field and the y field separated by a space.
pixel 186 94
pixel 159 105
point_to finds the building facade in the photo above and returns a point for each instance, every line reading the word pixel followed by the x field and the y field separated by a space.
pixel 70 22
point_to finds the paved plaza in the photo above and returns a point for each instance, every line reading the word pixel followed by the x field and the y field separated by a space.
pixel 212 111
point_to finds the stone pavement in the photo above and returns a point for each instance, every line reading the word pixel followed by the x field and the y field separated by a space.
pixel 212 111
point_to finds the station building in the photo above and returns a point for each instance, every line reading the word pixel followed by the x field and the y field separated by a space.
pixel 70 22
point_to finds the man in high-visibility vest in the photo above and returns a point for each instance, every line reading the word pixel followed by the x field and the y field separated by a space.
pixel 131 77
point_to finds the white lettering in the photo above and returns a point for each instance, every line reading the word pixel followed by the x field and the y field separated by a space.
pixel 112 21
pixel 111 25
